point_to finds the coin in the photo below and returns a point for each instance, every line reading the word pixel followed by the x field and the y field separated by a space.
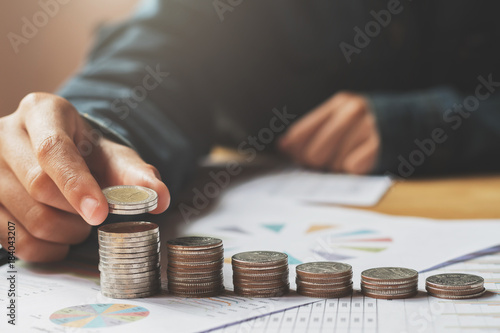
pixel 194 243
pixel 196 252
pixel 259 258
pixel 128 270
pixel 479 294
pixel 387 275
pixel 261 276
pixel 137 255
pixel 323 285
pixel 129 229
pixel 457 292
pixel 325 294
pixel 323 269
pixel 129 275
pixel 211 293
pixel 127 196
pixel 454 281
pixel 401 296
pixel 136 211
pixel 365 290
pixel 137 241
pixel 275 292
pixel 113 260
pixel 139 281
pixel 130 295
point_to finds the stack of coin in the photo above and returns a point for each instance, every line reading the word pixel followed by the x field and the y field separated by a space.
pixel 455 286
pixel 260 274
pixel 130 199
pixel 389 282
pixel 195 266
pixel 324 279
pixel 129 259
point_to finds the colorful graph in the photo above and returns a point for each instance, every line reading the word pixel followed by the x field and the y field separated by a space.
pixel 350 244
pixel 321 241
pixel 98 315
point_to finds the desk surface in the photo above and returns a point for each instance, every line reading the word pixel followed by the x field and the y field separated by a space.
pixel 465 197
pixel 451 198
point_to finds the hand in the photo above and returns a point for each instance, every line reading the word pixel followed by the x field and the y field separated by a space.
pixel 339 135
pixel 51 176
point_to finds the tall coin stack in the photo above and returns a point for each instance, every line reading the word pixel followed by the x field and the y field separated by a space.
pixel 195 266
pixel 324 279
pixel 260 274
pixel 129 261
pixel 389 282
pixel 455 286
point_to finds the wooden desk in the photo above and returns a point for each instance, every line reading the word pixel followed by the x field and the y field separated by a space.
pixel 466 197
pixel 451 198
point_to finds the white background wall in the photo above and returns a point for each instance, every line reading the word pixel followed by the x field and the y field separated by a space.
pixel 56 50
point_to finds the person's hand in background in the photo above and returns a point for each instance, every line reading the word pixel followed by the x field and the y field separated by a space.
pixel 340 135
pixel 50 188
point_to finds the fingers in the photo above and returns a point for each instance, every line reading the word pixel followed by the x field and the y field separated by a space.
pixel 325 143
pixel 29 248
pixel 124 166
pixel 362 159
pixel 354 136
pixel 19 156
pixel 41 221
pixel 51 135
pixel 303 130
pixel 340 135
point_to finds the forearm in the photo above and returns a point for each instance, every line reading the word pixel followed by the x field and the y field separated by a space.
pixel 138 87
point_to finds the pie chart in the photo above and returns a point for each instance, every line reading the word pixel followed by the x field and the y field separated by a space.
pixel 98 315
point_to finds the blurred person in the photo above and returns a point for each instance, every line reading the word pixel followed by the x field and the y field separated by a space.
pixel 346 86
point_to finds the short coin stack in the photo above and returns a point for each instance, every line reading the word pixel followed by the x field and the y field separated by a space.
pixel 195 266
pixel 324 279
pixel 455 286
pixel 389 282
pixel 130 199
pixel 129 259
pixel 260 274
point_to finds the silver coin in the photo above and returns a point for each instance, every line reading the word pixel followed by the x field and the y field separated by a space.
pixel 388 291
pixel 128 249
pixel 128 229
pixel 379 286
pixel 132 295
pixel 125 196
pixel 127 284
pixel 324 268
pixel 135 255
pixel 113 281
pixel 130 275
pixel 446 296
pixel 194 243
pixel 125 271
pixel 454 281
pixel 323 285
pixel 195 252
pixel 132 288
pixel 137 211
pixel 389 274
pixel 113 261
pixel 110 267
pixel 258 258
pixel 132 241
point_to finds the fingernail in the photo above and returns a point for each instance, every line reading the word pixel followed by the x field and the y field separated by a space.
pixel 88 207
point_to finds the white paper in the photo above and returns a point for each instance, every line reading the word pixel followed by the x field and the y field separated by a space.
pixel 420 314
pixel 321 187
